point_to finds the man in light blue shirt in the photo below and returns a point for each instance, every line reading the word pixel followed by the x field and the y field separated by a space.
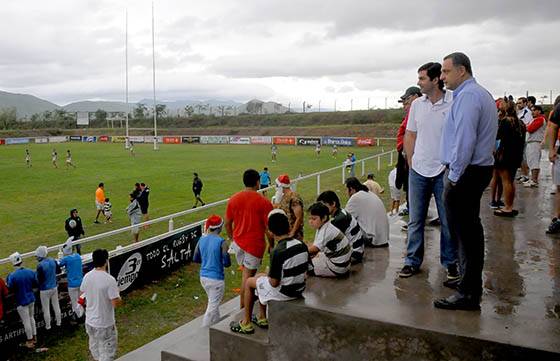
pixel 466 149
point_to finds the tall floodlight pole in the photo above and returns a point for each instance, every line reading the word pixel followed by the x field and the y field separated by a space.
pixel 351 104
pixel 335 105
pixel 319 106
pixel 127 143
pixel 154 77
pixel 367 103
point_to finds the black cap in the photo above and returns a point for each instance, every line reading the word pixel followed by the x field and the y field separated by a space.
pixel 413 90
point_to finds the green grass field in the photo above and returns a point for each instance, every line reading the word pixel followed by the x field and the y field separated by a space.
pixel 36 201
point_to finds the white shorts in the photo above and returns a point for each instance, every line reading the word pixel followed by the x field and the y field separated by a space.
pixel 556 172
pixel 395 193
pixel 533 152
pixel 245 259
pixel 266 292
pixel 98 206
pixel 321 267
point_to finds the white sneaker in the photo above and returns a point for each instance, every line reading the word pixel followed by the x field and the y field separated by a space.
pixel 530 184
pixel 553 189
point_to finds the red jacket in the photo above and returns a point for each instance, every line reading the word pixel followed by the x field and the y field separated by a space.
pixel 535 124
pixel 400 133
pixel 3 295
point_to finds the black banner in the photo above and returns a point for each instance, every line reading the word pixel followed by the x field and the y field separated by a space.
pixel 131 269
pixel 308 141
pixel 138 266
pixel 75 138
pixel 185 140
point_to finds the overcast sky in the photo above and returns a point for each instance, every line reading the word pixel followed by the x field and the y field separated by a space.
pixel 285 51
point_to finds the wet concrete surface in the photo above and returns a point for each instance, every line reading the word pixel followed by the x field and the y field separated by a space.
pixel 521 300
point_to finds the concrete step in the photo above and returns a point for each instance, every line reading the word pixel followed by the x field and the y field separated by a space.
pixel 226 345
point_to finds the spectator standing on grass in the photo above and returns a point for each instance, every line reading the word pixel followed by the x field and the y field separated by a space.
pixel 47 269
pixel 197 190
pixel 467 146
pixel 21 282
pixel 508 156
pixel 352 165
pixel 212 253
pixel 372 185
pixel 369 211
pixel 72 264
pixel 265 179
pixel 292 204
pixel 99 200
pixel 289 262
pixel 246 222
pixel 135 215
pixel 143 201
pixel 74 228
pixel 421 144
pixel 535 136
pixel 101 294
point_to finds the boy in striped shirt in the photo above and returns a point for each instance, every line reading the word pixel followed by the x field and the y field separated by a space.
pixel 289 263
pixel 330 250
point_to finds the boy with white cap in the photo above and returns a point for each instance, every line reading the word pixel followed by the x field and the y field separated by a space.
pixel 212 253
pixel 47 268
pixel 21 282
pixel 72 263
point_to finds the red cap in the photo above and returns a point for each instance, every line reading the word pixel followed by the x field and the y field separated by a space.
pixel 213 222
pixel 283 180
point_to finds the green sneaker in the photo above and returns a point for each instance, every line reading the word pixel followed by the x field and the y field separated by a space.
pixel 262 323
pixel 238 327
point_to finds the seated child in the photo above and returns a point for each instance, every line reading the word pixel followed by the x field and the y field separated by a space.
pixel 107 211
pixel 289 262
pixel 330 250
pixel 211 252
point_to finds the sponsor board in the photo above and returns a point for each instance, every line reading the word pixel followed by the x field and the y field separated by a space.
pixel 171 140
pixel 214 139
pixel 364 142
pixel 189 139
pixel 59 139
pixel 118 139
pixel 103 138
pixel 308 141
pixel 339 141
pixel 136 267
pixel 17 140
pixel 2 141
pixel 239 140
pixel 41 140
pixel 75 138
pixel 284 140
pixel 89 139
pixel 261 140
pixel 150 139
pixel 137 138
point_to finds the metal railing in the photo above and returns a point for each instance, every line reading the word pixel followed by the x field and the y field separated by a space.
pixel 170 217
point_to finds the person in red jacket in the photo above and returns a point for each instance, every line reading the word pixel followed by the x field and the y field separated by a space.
pixel 535 135
pixel 3 295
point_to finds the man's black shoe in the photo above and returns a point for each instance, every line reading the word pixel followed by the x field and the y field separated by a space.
pixel 384 245
pixel 458 301
pixel 554 227
pixel 408 271
pixel 453 284
pixel 453 272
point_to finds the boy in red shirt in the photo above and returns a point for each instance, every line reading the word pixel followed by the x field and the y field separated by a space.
pixel 246 224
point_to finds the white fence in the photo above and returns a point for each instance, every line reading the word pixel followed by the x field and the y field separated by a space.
pixel 371 162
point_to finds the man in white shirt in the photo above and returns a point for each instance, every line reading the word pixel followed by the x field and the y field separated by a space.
pixel 101 294
pixel 524 114
pixel 369 211
pixel 421 143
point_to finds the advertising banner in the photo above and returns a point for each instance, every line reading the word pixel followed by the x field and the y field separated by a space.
pixel 261 140
pixel 2 141
pixel 189 140
pixel 137 138
pixel 150 139
pixel 75 138
pixel 118 139
pixel 364 142
pixel 138 266
pixel 41 140
pixel 103 138
pixel 214 139
pixel 308 141
pixel 89 139
pixel 171 140
pixel 59 139
pixel 239 140
pixel 17 140
pixel 339 141
pixel 284 140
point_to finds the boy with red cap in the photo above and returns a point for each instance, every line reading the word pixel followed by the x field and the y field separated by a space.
pixel 246 223
pixel 211 253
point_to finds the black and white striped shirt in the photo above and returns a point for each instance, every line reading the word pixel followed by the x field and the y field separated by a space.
pixel 334 244
pixel 289 263
pixel 348 225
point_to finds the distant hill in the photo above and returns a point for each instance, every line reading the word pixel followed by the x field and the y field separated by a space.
pixel 25 104
pixel 92 106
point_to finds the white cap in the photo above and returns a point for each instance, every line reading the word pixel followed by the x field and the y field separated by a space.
pixel 15 258
pixel 277 211
pixel 67 246
pixel 41 252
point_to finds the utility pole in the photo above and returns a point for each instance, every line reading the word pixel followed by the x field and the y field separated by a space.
pixel 127 142
pixel 385 102
pixel 303 106
pixel 154 77
pixel 367 103
pixel 319 106
pixel 335 105
pixel 351 104
pixel 289 107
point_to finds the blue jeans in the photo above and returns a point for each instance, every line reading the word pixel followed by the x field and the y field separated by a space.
pixel 420 190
